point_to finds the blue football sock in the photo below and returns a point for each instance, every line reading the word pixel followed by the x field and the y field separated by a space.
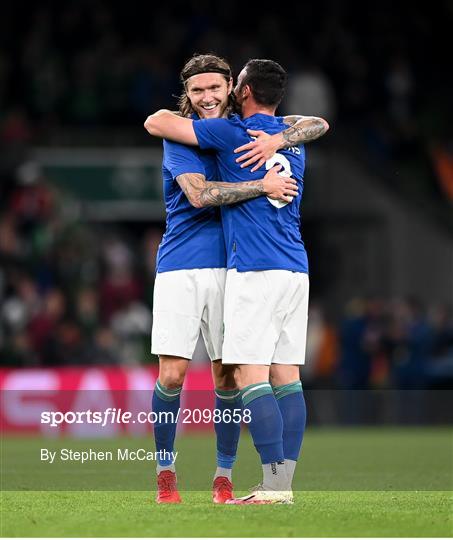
pixel 266 426
pixel 291 402
pixel 227 430
pixel 165 400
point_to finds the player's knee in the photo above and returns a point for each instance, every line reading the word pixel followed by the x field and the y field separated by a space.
pixel 226 384
pixel 283 374
pixel 172 376
pixel 246 375
pixel 224 377
pixel 238 378
pixel 172 379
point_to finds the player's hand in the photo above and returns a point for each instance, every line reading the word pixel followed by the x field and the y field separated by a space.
pixel 259 150
pixel 279 187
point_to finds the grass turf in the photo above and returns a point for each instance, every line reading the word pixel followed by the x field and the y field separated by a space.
pixel 355 482
pixel 319 513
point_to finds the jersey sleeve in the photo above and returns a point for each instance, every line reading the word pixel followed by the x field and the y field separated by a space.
pixel 214 134
pixel 182 159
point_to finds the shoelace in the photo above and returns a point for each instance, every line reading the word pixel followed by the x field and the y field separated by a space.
pixel 224 483
pixel 166 482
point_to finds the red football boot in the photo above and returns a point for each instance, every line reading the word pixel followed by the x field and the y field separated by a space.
pixel 222 490
pixel 167 489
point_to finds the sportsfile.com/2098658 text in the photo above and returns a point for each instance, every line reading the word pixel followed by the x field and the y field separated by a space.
pixel 119 416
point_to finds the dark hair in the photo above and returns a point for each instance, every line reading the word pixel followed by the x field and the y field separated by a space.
pixel 267 81
pixel 204 63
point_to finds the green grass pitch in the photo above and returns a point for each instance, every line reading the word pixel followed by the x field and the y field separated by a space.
pixel 351 482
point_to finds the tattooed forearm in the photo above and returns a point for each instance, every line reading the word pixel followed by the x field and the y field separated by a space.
pixel 218 193
pixel 303 129
pixel 202 193
pixel 292 119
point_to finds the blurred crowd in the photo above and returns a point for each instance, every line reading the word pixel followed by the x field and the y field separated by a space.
pixel 74 293
pixel 380 343
pixel 70 292
pixel 88 72
pixel 376 70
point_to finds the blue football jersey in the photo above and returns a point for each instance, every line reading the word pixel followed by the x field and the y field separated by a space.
pixel 258 234
pixel 194 236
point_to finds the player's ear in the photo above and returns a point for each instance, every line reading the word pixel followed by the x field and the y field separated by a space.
pixel 246 91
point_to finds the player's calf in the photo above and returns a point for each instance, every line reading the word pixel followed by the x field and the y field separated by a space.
pixel 266 428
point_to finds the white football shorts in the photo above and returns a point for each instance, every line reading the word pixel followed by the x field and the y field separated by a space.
pixel 266 315
pixel 185 302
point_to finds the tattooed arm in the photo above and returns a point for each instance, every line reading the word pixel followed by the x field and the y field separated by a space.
pixel 202 193
pixel 303 129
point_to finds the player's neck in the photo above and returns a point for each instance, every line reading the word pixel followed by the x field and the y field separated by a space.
pixel 250 107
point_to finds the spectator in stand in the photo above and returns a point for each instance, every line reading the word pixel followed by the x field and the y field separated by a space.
pixel 120 285
pixel 355 359
pixel 309 89
pixel 43 325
